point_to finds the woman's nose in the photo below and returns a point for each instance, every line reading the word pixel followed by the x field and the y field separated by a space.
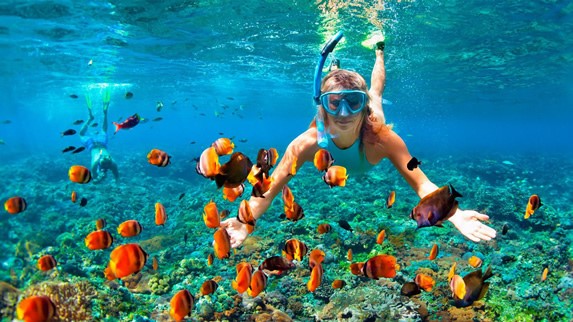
pixel 344 108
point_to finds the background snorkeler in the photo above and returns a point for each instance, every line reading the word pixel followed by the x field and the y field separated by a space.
pixel 96 142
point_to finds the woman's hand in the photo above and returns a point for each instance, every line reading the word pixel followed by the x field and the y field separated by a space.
pixel 237 231
pixel 468 222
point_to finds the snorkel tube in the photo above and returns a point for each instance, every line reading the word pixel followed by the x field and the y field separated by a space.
pixel 327 49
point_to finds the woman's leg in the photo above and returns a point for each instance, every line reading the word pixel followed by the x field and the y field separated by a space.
pixel 85 126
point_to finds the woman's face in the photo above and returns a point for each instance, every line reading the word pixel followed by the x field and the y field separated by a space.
pixel 344 123
pixel 344 94
pixel 344 120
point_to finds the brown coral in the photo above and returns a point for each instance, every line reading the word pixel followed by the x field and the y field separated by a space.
pixel 73 300
pixel 159 242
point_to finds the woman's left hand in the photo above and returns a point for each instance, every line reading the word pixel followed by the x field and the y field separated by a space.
pixel 468 222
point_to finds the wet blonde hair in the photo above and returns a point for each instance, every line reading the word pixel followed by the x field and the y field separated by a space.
pixel 342 79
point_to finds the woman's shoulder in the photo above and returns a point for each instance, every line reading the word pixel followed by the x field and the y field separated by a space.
pixel 306 138
pixel 304 146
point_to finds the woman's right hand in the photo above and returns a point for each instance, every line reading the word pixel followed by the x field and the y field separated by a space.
pixel 237 231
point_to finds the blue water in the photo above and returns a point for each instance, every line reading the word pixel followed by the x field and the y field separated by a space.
pixel 493 76
pixel 470 80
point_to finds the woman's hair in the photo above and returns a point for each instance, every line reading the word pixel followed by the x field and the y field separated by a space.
pixel 341 79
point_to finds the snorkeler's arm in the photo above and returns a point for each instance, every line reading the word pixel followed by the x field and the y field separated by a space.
pixel 397 151
pixel 96 175
pixel 377 84
pixel 468 222
pixel 114 170
pixel 300 150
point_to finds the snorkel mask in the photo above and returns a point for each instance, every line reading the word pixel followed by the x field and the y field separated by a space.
pixel 343 103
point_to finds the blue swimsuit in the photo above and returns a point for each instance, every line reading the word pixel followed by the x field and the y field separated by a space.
pixel 350 158
pixel 97 140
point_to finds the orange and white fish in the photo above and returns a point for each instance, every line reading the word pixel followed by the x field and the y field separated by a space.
pixel 15 205
pixel 79 174
pixel 129 228
pixel 272 157
pixel 155 263
pixel 544 274
pixel 425 282
pixel 258 283
pixel 335 176
pixel 208 287
pixel 160 215
pixel 262 186
pixel 100 223
pixel 338 284
pixel 532 205
pixel 181 305
pixel 74 196
pixel 323 160
pixel 294 249
pixel 246 216
pixel 36 309
pixel 211 215
pixel 433 252
pixel 315 278
pixel 288 198
pixel 223 146
pixel 381 236
pixel 391 199
pixel 323 228
pixel 458 287
pixel 222 243
pixel 99 239
pixel 316 257
pixel 125 260
pixel 208 164
pixel 452 272
pixel 295 213
pixel 46 263
pixel 232 194
pixel 158 158
pixel 243 279
pixel 378 266
pixel 475 261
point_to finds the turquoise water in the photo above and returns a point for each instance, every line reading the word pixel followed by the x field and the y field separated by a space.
pixel 481 94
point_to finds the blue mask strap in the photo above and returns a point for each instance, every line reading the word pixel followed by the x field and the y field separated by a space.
pixel 321 135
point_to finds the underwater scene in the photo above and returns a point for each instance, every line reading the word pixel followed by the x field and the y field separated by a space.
pixel 211 160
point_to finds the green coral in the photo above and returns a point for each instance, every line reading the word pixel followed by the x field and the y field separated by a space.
pixel 159 284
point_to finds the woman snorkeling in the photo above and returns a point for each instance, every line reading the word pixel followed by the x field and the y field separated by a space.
pixel 350 121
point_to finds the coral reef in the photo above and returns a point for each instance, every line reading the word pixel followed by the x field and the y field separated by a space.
pixel 73 299
pixel 183 244
pixel 159 284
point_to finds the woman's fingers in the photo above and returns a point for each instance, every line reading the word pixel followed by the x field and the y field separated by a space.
pixel 482 217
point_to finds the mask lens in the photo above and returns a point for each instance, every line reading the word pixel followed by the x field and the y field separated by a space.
pixel 331 103
pixel 354 99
